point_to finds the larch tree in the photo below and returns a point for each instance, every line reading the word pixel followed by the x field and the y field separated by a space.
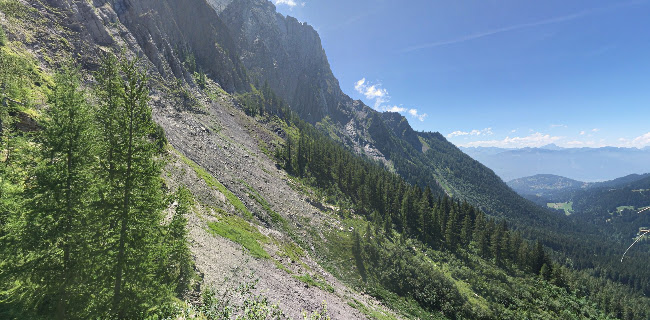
pixel 132 199
pixel 55 249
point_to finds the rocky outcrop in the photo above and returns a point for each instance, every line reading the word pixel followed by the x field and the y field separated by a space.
pixel 402 129
pixel 289 56
pixel 167 30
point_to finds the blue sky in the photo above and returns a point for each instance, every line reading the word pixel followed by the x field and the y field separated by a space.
pixel 507 73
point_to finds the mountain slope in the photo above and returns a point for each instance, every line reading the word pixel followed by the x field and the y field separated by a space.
pixel 304 244
pixel 288 56
pixel 545 185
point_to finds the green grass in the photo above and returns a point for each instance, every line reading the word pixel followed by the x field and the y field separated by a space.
pixel 214 183
pixel 240 231
pixel 566 206
pixel 275 217
pixel 292 251
pixel 14 9
pixel 621 208
pixel 371 313
pixel 320 283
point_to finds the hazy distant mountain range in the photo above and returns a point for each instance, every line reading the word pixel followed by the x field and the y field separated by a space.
pixel 583 164
pixel 553 188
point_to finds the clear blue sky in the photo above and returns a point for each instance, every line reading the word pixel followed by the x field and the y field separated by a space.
pixel 509 73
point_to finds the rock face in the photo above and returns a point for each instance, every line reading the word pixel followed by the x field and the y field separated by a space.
pixel 167 29
pixel 166 32
pixel 288 55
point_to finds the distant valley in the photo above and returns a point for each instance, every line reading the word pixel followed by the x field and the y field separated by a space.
pixel 616 206
pixel 581 164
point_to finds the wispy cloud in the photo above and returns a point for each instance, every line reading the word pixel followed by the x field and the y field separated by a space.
pixel 416 114
pixel 559 126
pixel 638 142
pixel 534 140
pixel 290 3
pixel 484 132
pixel 516 27
pixel 372 92
pixel 381 97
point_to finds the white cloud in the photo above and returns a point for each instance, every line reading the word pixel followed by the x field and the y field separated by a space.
pixel 372 92
pixel 534 140
pixel 641 141
pixel 290 3
pixel 559 126
pixel 393 109
pixel 412 112
pixel 416 114
pixel 484 132
pixel 582 133
pixel 380 96
pixel 595 130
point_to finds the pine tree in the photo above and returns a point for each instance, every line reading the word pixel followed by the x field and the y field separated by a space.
pixel 55 238
pixel 466 230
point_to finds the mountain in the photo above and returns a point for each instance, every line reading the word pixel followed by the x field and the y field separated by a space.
pixel 582 164
pixel 610 205
pixel 545 185
pixel 557 188
pixel 300 195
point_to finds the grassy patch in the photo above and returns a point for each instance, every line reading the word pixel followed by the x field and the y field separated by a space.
pixel 14 9
pixel 371 313
pixel 622 208
pixel 292 251
pixel 240 231
pixel 275 217
pixel 280 266
pixel 320 283
pixel 214 183
pixel 566 206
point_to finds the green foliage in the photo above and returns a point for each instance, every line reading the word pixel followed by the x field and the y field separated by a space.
pixel 251 307
pixel 240 303
pixel 82 232
pixel 320 283
pixel 14 9
pixel 214 183
pixel 276 218
pixel 179 267
pixel 240 231
pixel 3 36
pixel 131 190
pixel 57 228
